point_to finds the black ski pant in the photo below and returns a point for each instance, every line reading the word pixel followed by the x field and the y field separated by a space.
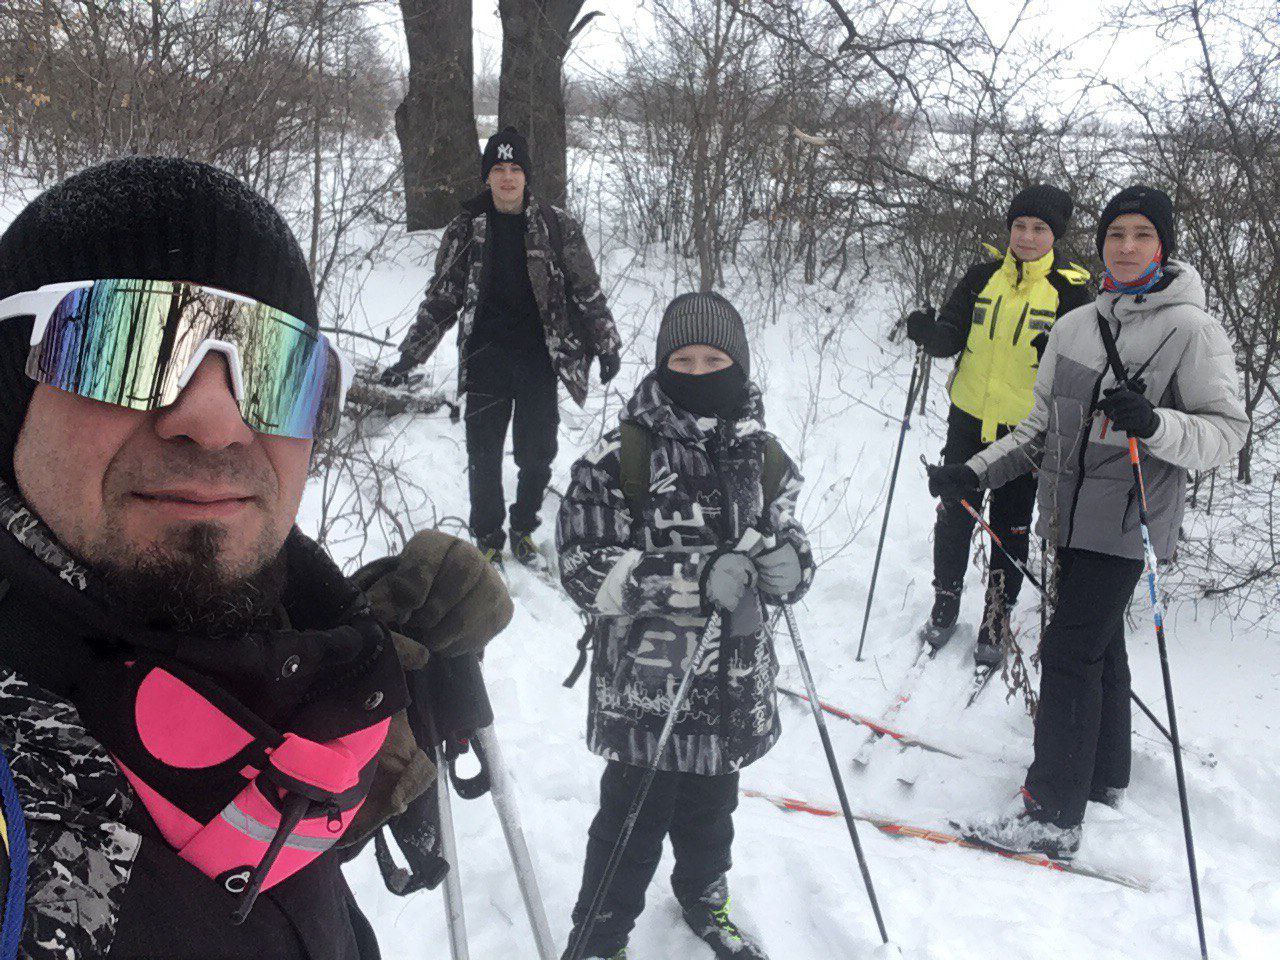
pixel 517 388
pixel 695 811
pixel 1010 517
pixel 1082 739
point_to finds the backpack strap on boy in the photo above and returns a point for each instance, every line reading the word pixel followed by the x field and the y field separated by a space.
pixel 635 474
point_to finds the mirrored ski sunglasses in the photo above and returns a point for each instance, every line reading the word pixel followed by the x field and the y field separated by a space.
pixel 137 343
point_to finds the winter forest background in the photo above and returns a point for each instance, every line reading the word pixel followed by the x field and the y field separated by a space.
pixel 829 166
pixel 808 150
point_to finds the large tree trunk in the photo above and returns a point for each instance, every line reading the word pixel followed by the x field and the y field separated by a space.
pixel 436 122
pixel 535 39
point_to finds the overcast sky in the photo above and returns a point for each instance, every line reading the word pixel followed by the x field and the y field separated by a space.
pixel 1084 24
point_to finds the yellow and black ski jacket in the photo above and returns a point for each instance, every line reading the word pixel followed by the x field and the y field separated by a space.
pixel 998 319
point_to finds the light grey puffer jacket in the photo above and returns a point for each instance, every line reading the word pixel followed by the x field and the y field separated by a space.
pixel 1087 497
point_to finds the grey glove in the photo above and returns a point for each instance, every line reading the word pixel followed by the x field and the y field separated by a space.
pixel 780 570
pixel 729 582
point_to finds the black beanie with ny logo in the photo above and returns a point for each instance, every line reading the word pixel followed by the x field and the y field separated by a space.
pixel 508 145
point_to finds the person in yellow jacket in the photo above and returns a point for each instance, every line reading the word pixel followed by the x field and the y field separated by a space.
pixel 997 319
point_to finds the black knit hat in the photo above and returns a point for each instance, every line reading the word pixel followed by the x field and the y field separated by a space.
pixel 143 218
pixel 505 146
pixel 706 318
pixel 1154 204
pixel 1046 202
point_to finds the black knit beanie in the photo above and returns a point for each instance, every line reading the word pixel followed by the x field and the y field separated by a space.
pixel 505 146
pixel 143 218
pixel 1046 202
pixel 1154 204
pixel 706 318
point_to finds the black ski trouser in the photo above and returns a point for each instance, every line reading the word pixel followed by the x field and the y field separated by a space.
pixel 1083 726
pixel 695 811
pixel 516 388
pixel 1010 517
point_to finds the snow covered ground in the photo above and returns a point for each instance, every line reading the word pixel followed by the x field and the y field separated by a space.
pixel 834 402
pixel 795 881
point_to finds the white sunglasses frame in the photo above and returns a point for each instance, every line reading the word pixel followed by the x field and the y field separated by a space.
pixel 43 301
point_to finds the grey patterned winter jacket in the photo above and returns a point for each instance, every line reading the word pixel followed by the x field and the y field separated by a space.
pixel 638 579
pixel 1087 497
pixel 573 336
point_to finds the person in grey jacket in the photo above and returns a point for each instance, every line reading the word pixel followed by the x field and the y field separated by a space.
pixel 1186 411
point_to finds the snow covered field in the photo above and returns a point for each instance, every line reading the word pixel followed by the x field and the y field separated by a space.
pixel 795 881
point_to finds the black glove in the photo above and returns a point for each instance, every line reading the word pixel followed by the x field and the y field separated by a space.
pixel 454 691
pixel 952 481
pixel 920 324
pixel 610 364
pixel 418 833
pixel 397 375
pixel 1130 411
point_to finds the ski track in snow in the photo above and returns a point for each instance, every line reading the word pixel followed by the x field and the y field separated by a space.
pixel 795 881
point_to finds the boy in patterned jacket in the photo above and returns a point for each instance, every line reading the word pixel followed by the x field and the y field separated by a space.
pixel 648 557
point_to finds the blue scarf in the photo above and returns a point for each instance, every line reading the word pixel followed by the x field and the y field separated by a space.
pixel 1140 284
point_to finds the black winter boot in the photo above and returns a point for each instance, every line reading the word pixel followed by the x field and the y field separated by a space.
pixel 526 551
pixel 708 917
pixel 490 546
pixel 620 955
pixel 942 621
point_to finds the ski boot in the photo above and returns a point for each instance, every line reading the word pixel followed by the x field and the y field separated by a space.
pixel 526 551
pixel 620 955
pixel 490 547
pixel 708 917
pixel 942 621
pixel 1025 831
pixel 1112 797
pixel 988 652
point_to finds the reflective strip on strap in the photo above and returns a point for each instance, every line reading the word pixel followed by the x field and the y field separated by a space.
pixel 257 830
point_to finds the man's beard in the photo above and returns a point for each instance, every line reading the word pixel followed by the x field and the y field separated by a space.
pixel 181 587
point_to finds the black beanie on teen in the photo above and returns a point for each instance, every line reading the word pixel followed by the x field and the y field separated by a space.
pixel 508 145
pixel 143 218
pixel 1154 204
pixel 1045 202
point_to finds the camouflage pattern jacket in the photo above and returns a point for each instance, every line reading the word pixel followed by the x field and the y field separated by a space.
pixel 102 881
pixel 638 579
pixel 575 316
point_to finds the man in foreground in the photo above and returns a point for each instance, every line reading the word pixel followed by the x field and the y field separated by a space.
pixel 194 701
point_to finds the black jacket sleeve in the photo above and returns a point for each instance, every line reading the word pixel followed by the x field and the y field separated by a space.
pixel 952 329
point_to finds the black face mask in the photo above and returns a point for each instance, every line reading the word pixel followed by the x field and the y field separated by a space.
pixel 720 394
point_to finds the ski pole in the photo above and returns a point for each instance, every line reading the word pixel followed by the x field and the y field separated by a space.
pixel 455 918
pixel 825 736
pixel 1018 564
pixel 916 374
pixel 1157 606
pixel 503 793
pixel 583 933
pixel 1157 609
